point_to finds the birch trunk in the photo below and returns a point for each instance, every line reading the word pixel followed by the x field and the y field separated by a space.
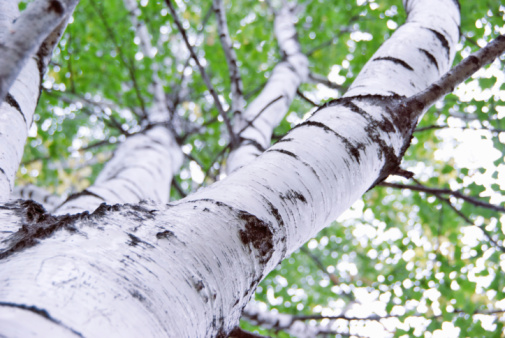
pixel 256 125
pixel 188 269
pixel 143 166
pixel 21 74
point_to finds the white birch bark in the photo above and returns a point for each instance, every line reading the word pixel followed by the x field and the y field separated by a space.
pixel 256 125
pixel 188 269
pixel 27 34
pixel 20 79
pixel 143 166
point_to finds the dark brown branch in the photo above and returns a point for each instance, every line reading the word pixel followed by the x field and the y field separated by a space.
pixel 447 83
pixel 435 191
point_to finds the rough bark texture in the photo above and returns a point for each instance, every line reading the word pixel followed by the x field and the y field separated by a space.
pixel 188 269
pixel 21 72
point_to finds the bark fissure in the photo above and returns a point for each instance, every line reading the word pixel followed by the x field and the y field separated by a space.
pixel 395 61
pixel 353 149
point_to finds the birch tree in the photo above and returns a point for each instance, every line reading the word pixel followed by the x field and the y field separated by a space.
pixel 118 260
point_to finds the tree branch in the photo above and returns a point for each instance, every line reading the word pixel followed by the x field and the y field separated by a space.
pixel 237 102
pixel 205 77
pixel 456 75
pixel 434 191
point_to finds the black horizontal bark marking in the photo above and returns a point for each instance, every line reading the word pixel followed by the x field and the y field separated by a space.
pixel 394 60
pixel 82 193
pixel 11 101
pixel 284 139
pixel 285 152
pixel 430 57
pixel 254 143
pixel 442 40
pixel 40 312
pixel 352 149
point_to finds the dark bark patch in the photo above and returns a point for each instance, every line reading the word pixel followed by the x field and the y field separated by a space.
pixel 134 241
pixel 103 209
pixel 285 139
pixel 199 286
pixel 275 212
pixel 395 61
pixel 11 101
pixel 137 295
pixel 430 57
pixel 40 312
pixel 293 196
pixel 257 233
pixel 36 224
pixel 56 6
pixel 167 234
pixel 137 212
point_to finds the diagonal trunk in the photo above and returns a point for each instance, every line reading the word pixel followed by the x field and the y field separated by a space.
pixel 188 269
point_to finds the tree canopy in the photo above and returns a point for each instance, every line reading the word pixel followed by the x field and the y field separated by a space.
pixel 422 253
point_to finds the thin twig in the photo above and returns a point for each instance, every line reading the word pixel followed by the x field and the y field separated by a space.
pixel 434 191
pixel 205 77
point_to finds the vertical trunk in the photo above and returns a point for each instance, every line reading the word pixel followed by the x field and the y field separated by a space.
pixel 143 166
pixel 21 74
pixel 256 125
